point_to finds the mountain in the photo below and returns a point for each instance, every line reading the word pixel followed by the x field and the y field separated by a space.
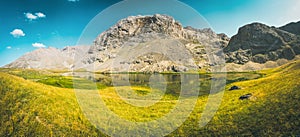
pixel 293 27
pixel 159 43
pixel 155 43
pixel 49 58
pixel 260 43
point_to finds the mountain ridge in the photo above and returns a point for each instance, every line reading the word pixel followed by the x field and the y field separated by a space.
pixel 255 42
pixel 293 27
pixel 260 43
pixel 48 58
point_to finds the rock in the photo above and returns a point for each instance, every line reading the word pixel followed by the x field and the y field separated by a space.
pixel 179 68
pixel 223 36
pixel 259 58
pixel 239 57
pixel 296 49
pixel 234 88
pixel 247 96
pixel 273 56
pixel 224 39
pixel 288 53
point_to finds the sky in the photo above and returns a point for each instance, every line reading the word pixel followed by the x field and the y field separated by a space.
pixel 26 25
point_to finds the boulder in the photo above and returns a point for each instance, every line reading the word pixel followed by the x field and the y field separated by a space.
pixel 259 58
pixel 246 96
pixel 179 68
pixel 234 88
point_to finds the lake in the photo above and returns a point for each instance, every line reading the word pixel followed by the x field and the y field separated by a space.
pixel 170 83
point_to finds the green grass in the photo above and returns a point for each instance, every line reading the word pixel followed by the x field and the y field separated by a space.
pixel 30 108
pixel 68 82
pixel 242 76
pixel 33 109
pixel 58 82
pixel 31 74
pixel 53 78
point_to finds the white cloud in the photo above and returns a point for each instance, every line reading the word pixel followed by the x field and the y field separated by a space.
pixel 34 16
pixel 8 47
pixel 40 15
pixel 73 0
pixel 38 45
pixel 30 16
pixel 17 33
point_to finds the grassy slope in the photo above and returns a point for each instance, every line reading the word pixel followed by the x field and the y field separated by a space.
pixel 274 110
pixel 33 109
pixel 29 108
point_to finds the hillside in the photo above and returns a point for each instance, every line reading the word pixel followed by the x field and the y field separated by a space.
pixel 260 43
pixel 49 58
pixel 32 109
pixel 35 109
pixel 293 27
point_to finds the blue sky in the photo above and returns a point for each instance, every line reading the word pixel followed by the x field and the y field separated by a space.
pixel 26 25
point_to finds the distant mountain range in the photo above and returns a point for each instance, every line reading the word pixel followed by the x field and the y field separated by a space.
pixel 49 58
pixel 159 43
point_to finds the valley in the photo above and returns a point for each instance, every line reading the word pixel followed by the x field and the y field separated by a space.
pixel 34 106
pixel 142 68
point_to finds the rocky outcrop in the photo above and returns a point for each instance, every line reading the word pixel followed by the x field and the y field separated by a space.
pixel 132 26
pixel 162 35
pixel 260 43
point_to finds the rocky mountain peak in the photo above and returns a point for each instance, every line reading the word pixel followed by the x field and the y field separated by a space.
pixel 152 30
pixel 135 25
pixel 260 43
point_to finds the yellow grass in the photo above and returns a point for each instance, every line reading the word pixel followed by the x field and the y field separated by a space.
pixel 34 109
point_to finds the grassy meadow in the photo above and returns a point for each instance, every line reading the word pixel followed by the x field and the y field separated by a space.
pixel 41 103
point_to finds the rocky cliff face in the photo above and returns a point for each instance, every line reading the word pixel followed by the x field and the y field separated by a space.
pixel 260 43
pixel 148 41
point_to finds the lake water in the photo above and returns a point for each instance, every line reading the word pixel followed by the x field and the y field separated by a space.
pixel 171 83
